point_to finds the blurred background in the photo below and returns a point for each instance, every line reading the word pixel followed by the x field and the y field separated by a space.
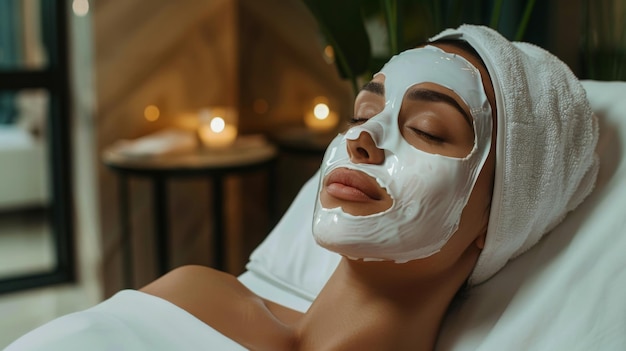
pixel 78 76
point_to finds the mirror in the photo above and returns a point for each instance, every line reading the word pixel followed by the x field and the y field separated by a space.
pixel 35 200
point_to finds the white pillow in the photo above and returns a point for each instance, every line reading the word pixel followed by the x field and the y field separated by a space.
pixel 289 256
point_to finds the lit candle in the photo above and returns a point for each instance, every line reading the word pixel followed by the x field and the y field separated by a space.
pixel 321 118
pixel 217 133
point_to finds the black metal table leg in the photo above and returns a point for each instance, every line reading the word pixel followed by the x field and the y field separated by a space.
pixel 125 240
pixel 161 224
pixel 218 222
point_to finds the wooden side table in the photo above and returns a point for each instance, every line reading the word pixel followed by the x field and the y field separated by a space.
pixel 214 164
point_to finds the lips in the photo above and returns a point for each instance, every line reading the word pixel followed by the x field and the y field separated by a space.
pixel 351 185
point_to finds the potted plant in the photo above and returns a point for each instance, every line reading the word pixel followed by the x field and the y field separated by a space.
pixel 350 25
pixel 604 38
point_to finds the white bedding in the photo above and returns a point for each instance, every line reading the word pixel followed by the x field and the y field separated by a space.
pixel 567 293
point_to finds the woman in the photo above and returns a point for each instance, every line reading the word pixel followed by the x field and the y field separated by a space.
pixel 367 300
pixel 428 119
pixel 440 180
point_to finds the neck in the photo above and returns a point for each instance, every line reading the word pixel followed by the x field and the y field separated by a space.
pixel 377 305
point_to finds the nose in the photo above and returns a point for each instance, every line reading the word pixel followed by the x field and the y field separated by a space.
pixel 364 150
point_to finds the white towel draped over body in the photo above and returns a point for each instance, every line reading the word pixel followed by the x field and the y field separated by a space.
pixel 130 320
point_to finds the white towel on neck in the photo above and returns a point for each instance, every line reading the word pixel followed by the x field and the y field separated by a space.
pixel 546 137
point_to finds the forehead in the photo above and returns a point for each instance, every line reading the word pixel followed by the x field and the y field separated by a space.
pixel 432 65
pixel 463 49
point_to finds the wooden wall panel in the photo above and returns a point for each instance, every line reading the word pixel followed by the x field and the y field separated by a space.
pixel 281 62
pixel 180 56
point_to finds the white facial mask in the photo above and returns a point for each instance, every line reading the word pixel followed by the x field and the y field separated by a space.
pixel 429 191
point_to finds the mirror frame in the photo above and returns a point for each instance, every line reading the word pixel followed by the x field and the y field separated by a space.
pixel 55 79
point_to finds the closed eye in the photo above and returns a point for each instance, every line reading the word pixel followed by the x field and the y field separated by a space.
pixel 427 136
pixel 357 120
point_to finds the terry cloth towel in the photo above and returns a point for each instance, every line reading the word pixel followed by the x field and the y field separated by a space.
pixel 164 142
pixel 545 148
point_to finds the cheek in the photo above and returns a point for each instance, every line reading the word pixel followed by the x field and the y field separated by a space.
pixel 475 216
pixel 473 225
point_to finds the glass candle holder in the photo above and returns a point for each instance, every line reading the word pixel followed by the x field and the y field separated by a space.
pixel 218 127
pixel 319 117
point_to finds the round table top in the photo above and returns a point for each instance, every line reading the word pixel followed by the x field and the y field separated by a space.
pixel 243 153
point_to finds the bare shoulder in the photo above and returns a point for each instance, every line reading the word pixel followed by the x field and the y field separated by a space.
pixel 193 286
pixel 220 300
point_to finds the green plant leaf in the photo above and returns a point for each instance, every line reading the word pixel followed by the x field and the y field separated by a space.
pixel 342 25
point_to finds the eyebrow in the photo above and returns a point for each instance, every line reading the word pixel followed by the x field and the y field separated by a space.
pixel 435 96
pixel 374 87
pixel 422 95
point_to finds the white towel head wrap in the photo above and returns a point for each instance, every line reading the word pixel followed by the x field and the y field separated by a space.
pixel 545 148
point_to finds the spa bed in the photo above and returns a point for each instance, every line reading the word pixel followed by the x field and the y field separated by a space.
pixel 567 293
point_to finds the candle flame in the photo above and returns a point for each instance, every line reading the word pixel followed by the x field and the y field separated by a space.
pixel 217 124
pixel 321 111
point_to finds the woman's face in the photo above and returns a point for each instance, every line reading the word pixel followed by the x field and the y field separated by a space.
pixel 431 118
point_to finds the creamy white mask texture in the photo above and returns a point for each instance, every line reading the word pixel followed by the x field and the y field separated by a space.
pixel 429 191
